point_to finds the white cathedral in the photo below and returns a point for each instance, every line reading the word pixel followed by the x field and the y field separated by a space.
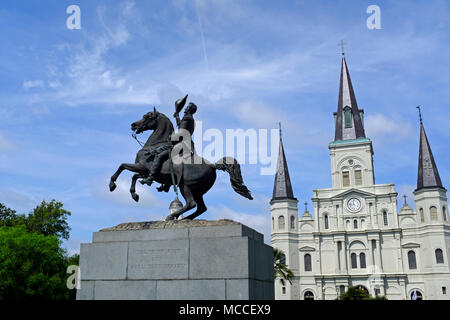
pixel 356 236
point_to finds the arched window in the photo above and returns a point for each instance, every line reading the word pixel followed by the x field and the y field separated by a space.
pixel 307 260
pixel 416 295
pixel 354 262
pixel 281 222
pixel 358 177
pixel 273 223
pixel 439 256
pixel 412 260
pixel 341 289
pixel 422 216
pixel 444 213
pixel 362 260
pixel 345 179
pixel 292 222
pixel 433 213
pixel 308 295
pixel 348 117
pixel 325 217
pixel 385 218
pixel 355 224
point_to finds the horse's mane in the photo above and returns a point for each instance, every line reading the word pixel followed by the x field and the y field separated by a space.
pixel 169 122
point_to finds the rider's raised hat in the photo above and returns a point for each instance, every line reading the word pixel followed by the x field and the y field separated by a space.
pixel 179 104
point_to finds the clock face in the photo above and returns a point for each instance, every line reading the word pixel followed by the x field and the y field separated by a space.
pixel 354 204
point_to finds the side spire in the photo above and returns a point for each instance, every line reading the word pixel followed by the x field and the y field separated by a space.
pixel 282 188
pixel 349 124
pixel 428 174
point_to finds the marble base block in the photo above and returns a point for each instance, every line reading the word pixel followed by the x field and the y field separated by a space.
pixel 177 260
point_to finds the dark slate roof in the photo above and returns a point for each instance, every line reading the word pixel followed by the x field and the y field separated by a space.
pixel 428 175
pixel 347 98
pixel 282 188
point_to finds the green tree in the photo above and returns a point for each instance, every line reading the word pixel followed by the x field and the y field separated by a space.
pixel 32 265
pixel 9 218
pixel 358 293
pixel 49 219
pixel 280 269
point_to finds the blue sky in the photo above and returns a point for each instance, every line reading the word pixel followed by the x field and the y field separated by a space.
pixel 68 97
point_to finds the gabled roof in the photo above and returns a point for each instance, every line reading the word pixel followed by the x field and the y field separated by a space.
pixel 354 190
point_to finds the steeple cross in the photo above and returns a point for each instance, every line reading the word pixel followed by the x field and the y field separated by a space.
pixel 306 206
pixel 420 113
pixel 404 197
pixel 342 43
pixel 279 126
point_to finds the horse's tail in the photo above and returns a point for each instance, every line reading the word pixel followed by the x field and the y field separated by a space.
pixel 233 168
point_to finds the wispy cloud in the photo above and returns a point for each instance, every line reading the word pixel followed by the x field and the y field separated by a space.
pixel 33 84
pixel 258 222
pixel 381 128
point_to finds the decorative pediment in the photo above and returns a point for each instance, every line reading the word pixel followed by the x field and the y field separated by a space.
pixel 411 245
pixel 356 191
pixel 306 248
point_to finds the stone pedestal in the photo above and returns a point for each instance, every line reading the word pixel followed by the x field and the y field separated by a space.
pixel 177 260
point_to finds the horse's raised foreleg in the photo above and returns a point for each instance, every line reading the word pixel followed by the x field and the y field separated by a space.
pixel 134 195
pixel 124 166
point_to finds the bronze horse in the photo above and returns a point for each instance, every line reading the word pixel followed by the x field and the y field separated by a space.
pixel 193 179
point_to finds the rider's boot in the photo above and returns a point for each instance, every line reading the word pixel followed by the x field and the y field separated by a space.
pixel 148 180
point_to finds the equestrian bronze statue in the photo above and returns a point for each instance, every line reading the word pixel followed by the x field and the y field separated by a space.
pixel 168 158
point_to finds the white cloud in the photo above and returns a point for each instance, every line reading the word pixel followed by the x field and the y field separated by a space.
pixel 260 222
pixel 20 201
pixel 122 194
pixel 381 127
pixel 33 84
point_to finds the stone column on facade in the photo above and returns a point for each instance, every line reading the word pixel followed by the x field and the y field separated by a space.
pixel 316 215
pixel 336 214
pixel 340 224
pixel 399 252
pixel 337 258
pixel 402 284
pixel 370 254
pixel 394 210
pixel 370 224
pixel 375 215
pixel 319 290
pixel 378 255
pixel 318 263
pixel 344 256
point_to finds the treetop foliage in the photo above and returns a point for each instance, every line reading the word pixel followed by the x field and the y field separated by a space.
pixel 47 219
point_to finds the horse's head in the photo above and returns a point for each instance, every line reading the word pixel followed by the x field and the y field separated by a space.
pixel 148 122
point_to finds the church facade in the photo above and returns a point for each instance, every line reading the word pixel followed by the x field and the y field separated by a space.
pixel 357 236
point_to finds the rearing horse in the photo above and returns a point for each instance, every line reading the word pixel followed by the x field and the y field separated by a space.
pixel 193 179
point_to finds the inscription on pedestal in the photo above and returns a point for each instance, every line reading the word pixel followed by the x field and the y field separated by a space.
pixel 158 260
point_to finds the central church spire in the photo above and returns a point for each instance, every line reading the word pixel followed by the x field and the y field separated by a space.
pixel 348 118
